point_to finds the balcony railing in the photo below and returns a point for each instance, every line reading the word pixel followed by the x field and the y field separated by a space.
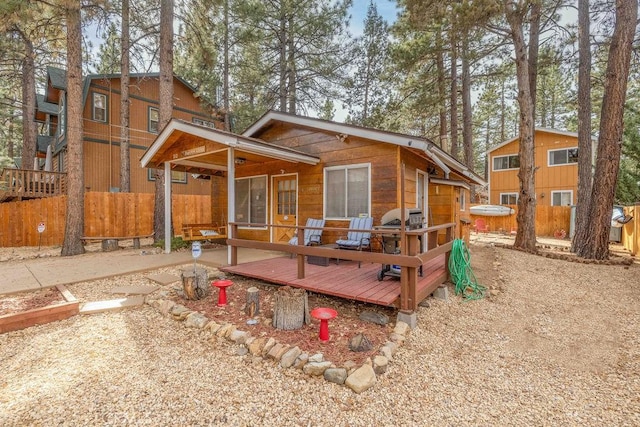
pixel 18 184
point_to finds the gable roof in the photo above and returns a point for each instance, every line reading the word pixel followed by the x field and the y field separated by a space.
pixel 547 130
pixel 44 106
pixel 439 156
pixel 58 77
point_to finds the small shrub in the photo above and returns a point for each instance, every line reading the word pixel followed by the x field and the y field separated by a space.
pixel 176 244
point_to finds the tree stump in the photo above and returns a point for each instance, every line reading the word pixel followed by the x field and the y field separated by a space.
pixel 195 283
pixel 253 302
pixel 291 308
pixel 109 245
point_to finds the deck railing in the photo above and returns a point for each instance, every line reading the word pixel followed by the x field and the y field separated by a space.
pixel 31 184
pixel 417 247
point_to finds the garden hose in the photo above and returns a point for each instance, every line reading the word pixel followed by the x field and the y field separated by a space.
pixel 461 273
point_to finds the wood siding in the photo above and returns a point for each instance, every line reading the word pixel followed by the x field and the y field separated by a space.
pixel 102 139
pixel 106 214
pixel 547 178
pixel 549 220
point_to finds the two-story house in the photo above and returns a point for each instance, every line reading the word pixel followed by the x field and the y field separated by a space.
pixel 556 176
pixel 101 128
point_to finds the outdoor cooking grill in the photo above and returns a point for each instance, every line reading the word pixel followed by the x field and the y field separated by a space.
pixel 390 242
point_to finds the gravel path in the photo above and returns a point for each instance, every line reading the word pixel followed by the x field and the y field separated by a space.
pixel 557 344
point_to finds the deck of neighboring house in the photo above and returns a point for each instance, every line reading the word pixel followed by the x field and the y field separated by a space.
pixel 23 184
pixel 343 279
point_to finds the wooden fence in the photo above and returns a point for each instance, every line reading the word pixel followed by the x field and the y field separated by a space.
pixel 550 221
pixel 106 214
pixel 631 230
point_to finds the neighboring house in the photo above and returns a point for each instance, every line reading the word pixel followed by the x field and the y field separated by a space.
pixel 556 176
pixel 101 128
pixel 288 168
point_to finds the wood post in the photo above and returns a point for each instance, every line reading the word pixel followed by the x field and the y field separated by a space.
pixel 253 302
pixel 195 283
pixel 291 308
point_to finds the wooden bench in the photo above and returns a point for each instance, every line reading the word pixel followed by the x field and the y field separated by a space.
pixel 203 231
pixel 111 243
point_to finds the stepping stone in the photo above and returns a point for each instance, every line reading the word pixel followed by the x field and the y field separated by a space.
pixel 163 278
pixel 111 305
pixel 135 290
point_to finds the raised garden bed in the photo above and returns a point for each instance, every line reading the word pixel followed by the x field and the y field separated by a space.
pixel 36 308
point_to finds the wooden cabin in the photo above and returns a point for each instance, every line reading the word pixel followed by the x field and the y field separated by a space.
pixel 286 169
pixel 101 128
pixel 556 177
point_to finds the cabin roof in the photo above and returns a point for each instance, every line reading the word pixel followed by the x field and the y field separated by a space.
pixel 202 157
pixel 403 140
pixel 44 106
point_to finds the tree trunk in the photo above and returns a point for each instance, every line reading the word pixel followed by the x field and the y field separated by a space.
pixel 165 111
pixel 610 135
pixel 291 67
pixel 195 283
pixel 74 229
pixel 225 73
pixel 526 218
pixel 467 130
pixel 291 308
pixel 252 307
pixel 442 93
pixel 29 127
pixel 585 150
pixel 282 54
pixel 125 160
pixel 454 96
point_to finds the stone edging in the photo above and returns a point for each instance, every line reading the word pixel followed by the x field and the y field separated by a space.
pixel 357 378
pixel 568 257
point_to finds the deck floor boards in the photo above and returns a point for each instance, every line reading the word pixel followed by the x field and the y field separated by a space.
pixel 343 280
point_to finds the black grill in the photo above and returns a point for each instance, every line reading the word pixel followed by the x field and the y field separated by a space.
pixel 413 219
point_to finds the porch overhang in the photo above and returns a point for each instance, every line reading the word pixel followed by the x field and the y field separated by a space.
pixel 197 149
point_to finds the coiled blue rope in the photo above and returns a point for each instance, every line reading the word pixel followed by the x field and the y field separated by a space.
pixel 461 273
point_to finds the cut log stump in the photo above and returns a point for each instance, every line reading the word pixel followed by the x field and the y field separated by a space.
pixel 109 245
pixel 253 302
pixel 291 308
pixel 195 283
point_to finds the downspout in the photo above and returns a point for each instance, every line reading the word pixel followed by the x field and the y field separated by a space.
pixel 428 151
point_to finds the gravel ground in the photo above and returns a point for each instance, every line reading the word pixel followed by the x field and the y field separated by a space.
pixel 556 344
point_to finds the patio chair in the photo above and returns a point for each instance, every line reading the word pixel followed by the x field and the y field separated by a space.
pixel 357 240
pixel 481 226
pixel 311 236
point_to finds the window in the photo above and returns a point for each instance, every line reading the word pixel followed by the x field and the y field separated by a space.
pixel 99 107
pixel 62 115
pixel 508 198
pixel 562 198
pixel 154 119
pixel 205 123
pixel 251 200
pixel 563 157
pixel 347 191
pixel 177 177
pixel 463 200
pixel 506 162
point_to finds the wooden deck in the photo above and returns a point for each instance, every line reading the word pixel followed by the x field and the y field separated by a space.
pixel 344 280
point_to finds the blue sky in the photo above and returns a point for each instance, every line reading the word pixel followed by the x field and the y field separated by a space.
pixel 386 8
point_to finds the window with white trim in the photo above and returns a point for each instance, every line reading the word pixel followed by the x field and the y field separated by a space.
pixel 508 198
pixel 511 161
pixel 563 156
pixel 251 199
pixel 562 198
pixel 347 191
pixel 463 199
pixel 99 112
pixel 154 120
pixel 178 177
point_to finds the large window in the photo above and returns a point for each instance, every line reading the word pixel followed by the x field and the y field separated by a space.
pixel 99 112
pixel 562 198
pixel 251 200
pixel 506 162
pixel 508 198
pixel 154 119
pixel 564 156
pixel 347 191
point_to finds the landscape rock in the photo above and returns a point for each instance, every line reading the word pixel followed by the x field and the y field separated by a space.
pixel 361 379
pixel 318 357
pixel 360 343
pixel 267 346
pixel 401 328
pixel 289 358
pixel 196 320
pixel 316 368
pixel 380 364
pixel 374 317
pixel 277 351
pixel 335 375
pixel 301 361
pixel 239 337
pixel 256 346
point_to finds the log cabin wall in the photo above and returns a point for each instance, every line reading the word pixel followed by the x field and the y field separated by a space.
pixel 102 139
pixel 547 178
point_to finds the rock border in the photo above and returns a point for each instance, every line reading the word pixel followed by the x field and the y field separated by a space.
pixel 545 251
pixel 357 378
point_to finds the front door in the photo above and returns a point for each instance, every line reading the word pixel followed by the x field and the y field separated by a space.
pixel 285 189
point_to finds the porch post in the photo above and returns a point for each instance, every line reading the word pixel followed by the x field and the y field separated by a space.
pixel 167 207
pixel 231 204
